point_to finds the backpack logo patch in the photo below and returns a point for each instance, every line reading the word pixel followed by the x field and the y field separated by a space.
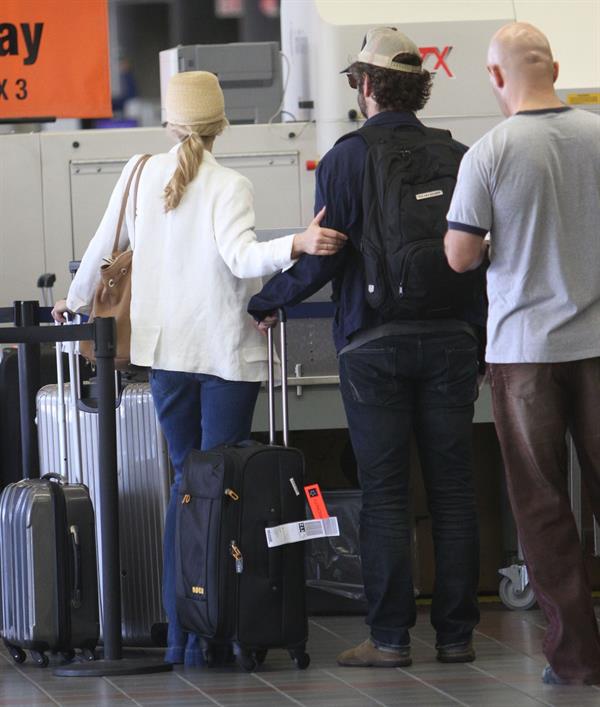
pixel 429 194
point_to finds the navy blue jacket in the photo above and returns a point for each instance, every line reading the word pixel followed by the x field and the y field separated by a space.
pixel 339 186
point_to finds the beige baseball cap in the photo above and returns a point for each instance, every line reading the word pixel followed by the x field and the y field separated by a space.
pixel 382 44
pixel 194 97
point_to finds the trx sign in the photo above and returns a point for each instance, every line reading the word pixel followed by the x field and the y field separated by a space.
pixel 54 59
pixel 440 56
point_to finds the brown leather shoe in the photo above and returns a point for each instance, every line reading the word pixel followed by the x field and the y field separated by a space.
pixel 367 655
pixel 456 653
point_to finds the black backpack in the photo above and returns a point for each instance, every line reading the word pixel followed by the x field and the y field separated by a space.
pixel 410 175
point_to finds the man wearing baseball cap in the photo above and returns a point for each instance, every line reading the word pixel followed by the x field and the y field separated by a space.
pixel 403 367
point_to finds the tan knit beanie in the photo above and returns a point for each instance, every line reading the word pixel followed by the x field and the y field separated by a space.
pixel 194 97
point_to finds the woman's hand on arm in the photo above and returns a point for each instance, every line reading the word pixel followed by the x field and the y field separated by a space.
pixel 318 240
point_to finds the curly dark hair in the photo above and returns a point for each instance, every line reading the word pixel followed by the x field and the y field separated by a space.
pixel 395 90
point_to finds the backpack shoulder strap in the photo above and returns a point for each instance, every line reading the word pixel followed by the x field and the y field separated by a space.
pixel 438 133
pixel 372 134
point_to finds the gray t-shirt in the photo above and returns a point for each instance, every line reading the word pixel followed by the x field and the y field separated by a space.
pixel 533 182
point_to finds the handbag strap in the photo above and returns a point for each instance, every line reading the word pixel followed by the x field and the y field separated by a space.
pixel 135 172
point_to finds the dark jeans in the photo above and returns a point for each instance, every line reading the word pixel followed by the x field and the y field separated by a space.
pixel 196 411
pixel 426 384
pixel 534 406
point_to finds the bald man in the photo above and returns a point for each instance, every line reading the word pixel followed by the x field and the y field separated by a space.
pixel 533 183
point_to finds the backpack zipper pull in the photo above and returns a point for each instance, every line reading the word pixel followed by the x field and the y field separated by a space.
pixel 237 556
pixel 232 494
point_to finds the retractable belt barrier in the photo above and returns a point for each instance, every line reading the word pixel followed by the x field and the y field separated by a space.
pixel 103 332
pixel 10 315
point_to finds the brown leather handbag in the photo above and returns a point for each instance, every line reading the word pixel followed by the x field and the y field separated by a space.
pixel 113 294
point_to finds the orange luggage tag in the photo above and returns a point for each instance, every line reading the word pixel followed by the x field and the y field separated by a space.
pixel 315 501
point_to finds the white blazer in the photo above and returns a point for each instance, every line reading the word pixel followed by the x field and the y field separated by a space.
pixel 194 270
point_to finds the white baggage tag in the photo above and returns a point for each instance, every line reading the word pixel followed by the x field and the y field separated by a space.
pixel 302 530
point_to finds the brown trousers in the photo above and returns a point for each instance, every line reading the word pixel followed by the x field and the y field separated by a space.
pixel 534 406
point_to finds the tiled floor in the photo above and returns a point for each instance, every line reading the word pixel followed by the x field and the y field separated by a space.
pixel 506 674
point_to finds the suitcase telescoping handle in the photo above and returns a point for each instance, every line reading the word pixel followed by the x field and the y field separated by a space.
pixel 73 459
pixel 46 282
pixel 271 382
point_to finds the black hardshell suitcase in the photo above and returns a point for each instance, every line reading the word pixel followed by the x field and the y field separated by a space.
pixel 49 581
pixel 231 587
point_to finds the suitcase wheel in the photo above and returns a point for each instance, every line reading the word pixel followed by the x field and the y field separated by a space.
pixel 247 662
pixel 301 658
pixel 246 658
pixel 88 654
pixel 68 656
pixel 260 655
pixel 216 654
pixel 250 660
pixel 16 653
pixel 39 658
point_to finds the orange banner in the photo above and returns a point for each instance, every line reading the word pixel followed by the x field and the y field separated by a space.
pixel 54 59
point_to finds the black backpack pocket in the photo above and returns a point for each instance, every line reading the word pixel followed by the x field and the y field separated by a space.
pixel 420 275
pixel 198 545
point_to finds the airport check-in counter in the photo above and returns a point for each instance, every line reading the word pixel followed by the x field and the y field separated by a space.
pixel 314 397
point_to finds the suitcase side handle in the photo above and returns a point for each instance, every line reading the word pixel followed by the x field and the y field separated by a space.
pixel 76 551
pixel 271 381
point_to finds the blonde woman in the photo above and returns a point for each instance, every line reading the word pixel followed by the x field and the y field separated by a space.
pixel 196 264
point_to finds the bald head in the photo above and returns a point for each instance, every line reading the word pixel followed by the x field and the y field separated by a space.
pixel 522 67
pixel 523 52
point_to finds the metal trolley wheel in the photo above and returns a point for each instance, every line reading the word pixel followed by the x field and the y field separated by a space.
pixel 513 597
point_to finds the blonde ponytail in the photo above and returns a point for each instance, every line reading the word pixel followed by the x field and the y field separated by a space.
pixel 189 157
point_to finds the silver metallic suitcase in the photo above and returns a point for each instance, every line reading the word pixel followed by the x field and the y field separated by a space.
pixel 49 597
pixel 144 483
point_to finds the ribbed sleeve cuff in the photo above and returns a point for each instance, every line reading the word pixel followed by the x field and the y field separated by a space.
pixel 474 230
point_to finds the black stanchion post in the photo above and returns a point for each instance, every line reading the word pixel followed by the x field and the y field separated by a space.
pixel 28 314
pixel 109 490
pixel 113 663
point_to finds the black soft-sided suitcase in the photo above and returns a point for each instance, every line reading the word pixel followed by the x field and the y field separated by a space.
pixel 231 587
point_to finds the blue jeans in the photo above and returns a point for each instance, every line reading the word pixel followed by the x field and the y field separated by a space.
pixel 426 384
pixel 196 411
